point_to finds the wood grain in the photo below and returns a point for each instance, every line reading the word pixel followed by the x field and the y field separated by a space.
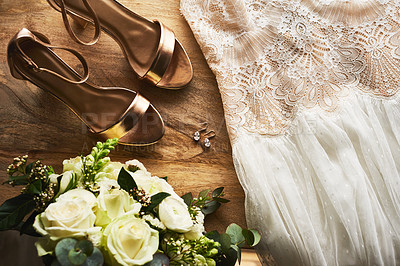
pixel 35 123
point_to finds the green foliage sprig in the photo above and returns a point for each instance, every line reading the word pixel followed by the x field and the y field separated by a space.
pixel 70 251
pixel 206 202
pixel 231 242
pixel 93 162
pixel 38 192
pixel 202 251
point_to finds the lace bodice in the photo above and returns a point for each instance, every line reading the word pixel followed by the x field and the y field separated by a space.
pixel 274 58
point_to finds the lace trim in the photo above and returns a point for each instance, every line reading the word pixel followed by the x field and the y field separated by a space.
pixel 272 58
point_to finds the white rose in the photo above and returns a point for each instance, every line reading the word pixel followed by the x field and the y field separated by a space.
pixel 174 213
pixel 71 215
pixel 113 203
pixel 66 178
pixel 130 241
pixel 73 164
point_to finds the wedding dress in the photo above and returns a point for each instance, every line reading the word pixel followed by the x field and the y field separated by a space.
pixel 310 94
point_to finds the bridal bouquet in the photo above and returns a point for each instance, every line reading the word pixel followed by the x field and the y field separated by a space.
pixel 102 212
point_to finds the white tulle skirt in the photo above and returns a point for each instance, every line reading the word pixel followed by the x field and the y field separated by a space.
pixel 328 193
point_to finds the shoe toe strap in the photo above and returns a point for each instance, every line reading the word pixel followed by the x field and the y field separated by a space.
pixel 163 56
pixel 128 120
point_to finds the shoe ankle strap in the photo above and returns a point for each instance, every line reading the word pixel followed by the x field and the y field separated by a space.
pixel 37 68
pixel 65 11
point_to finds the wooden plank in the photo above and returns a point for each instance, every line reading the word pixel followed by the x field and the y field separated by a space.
pixel 33 122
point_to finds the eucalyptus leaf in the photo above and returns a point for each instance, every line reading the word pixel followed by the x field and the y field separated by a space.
pixel 159 259
pixel 210 207
pixel 126 181
pixel 62 250
pixel 221 200
pixel 217 192
pixel 225 241
pixel 96 259
pixel 251 236
pixel 76 257
pixel 235 232
pixel 214 235
pixel 230 258
pixel 13 210
pixel 238 252
pixel 85 246
pixel 156 200
pixel 188 198
pixel 204 193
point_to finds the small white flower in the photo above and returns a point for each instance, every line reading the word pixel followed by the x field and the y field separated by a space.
pixel 73 164
pixel 174 213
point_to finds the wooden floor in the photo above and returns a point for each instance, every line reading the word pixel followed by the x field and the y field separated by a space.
pixel 33 122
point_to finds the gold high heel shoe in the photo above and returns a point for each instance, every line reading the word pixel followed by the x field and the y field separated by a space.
pixel 108 112
pixel 150 47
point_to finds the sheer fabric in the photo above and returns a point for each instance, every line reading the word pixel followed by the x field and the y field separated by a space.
pixel 310 98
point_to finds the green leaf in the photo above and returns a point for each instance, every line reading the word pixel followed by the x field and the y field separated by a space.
pixel 73 182
pixel 96 259
pixel 210 207
pixel 35 187
pixel 225 241
pixel 214 235
pixel 28 168
pixel 231 257
pixel 126 181
pixel 238 252
pixel 156 199
pixel 27 227
pixel 221 200
pixel 251 236
pixel 85 246
pixel 188 198
pixel 62 250
pixel 165 178
pixel 204 193
pixel 159 259
pixel 217 192
pixel 235 232
pixel 13 210
pixel 76 257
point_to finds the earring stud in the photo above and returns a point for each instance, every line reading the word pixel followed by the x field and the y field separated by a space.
pixel 196 135
pixel 207 142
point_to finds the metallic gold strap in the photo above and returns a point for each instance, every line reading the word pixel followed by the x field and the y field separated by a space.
pixel 37 68
pixel 128 120
pixel 163 56
pixel 65 11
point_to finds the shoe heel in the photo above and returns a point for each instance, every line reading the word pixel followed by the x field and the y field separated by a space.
pixel 79 21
